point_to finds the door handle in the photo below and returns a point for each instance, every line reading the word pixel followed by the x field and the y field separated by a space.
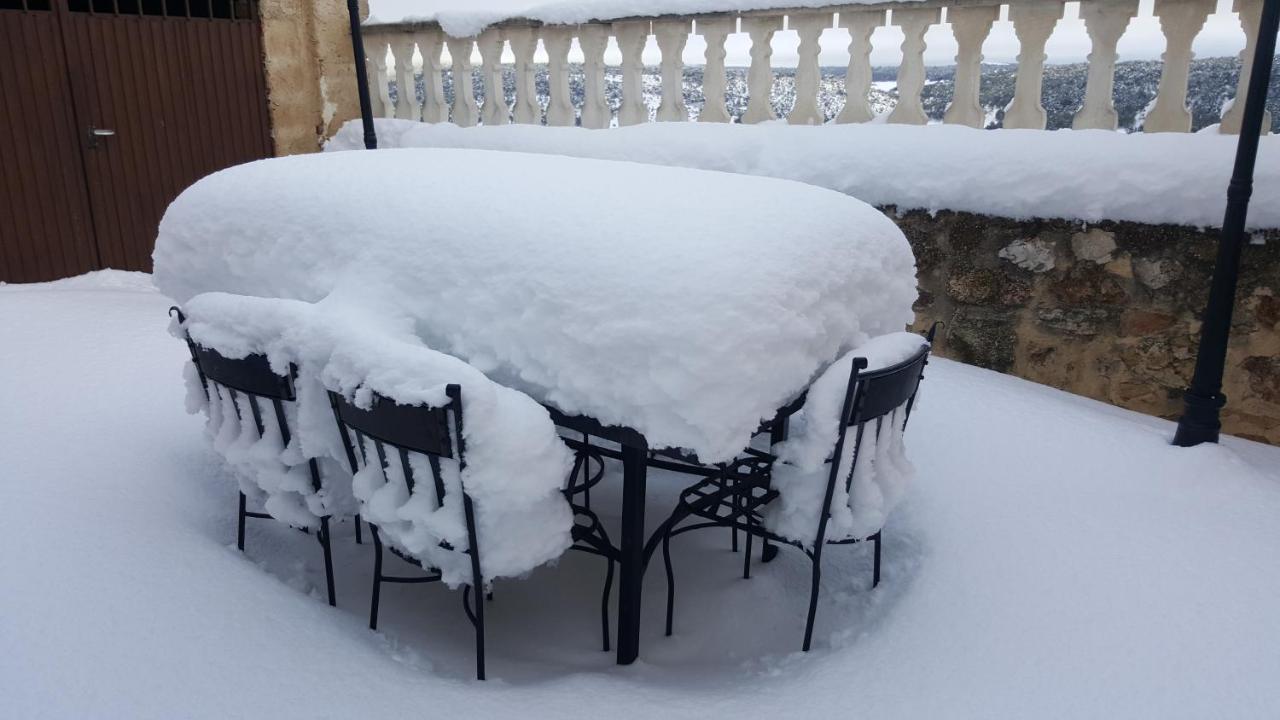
pixel 96 132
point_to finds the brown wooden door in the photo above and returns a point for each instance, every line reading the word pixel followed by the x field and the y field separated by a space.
pixel 163 93
pixel 45 228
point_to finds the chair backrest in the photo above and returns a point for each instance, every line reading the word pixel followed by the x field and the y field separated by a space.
pixel 251 374
pixel 396 431
pixel 880 392
pixel 870 397
pixel 253 377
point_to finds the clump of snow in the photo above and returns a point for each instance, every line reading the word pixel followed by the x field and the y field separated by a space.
pixel 882 472
pixel 516 464
pixel 1089 175
pixel 686 304
pixel 464 18
pixel 272 475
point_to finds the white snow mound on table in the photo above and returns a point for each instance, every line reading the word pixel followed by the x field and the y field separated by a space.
pixel 881 475
pixel 686 304
pixel 516 464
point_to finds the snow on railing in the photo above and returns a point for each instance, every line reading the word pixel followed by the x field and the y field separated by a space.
pixel 971 22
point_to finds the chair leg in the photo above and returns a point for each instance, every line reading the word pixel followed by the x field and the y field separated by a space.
pixel 328 560
pixel 768 551
pixel 746 557
pixel 875 566
pixel 377 578
pixel 359 539
pixel 479 623
pixel 671 579
pixel 813 600
pixel 240 517
pixel 604 604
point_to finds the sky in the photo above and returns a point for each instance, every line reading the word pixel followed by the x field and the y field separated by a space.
pixel 1070 43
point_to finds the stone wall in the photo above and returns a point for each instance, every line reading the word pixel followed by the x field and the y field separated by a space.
pixel 1109 310
pixel 310 71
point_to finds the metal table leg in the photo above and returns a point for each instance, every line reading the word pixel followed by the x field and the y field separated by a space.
pixel 631 551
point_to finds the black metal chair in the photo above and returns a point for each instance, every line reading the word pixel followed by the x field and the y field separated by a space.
pixel 253 377
pixel 736 494
pixel 427 431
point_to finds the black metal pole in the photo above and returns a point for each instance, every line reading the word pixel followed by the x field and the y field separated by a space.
pixel 362 79
pixel 1200 421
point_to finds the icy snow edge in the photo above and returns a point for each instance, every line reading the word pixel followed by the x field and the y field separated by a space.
pixel 1088 175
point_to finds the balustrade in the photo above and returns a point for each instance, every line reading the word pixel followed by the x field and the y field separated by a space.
pixel 401 53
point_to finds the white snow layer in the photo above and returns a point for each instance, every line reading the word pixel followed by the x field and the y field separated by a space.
pixel 1089 175
pixel 464 18
pixel 1055 558
pixel 882 472
pixel 683 303
pixel 516 463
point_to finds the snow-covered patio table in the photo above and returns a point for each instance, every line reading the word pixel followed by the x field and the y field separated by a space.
pixel 656 307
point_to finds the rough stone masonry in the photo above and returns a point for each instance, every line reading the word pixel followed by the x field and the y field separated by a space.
pixel 1108 310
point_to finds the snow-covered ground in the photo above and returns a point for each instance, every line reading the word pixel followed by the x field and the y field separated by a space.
pixel 1055 558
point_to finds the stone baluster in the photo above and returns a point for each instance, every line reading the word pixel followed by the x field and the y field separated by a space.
pixel 434 109
pixel 495 111
pixel 715 31
pixel 557 41
pixel 971 25
pixel 672 36
pixel 857 78
pixel 524 42
pixel 1105 20
pixel 464 98
pixel 406 83
pixel 1250 12
pixel 632 36
pixel 379 83
pixel 760 74
pixel 595 105
pixel 1180 21
pixel 809 27
pixel 915 23
pixel 1033 25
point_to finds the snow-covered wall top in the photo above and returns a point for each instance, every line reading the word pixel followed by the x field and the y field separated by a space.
pixel 1088 175
pixel 464 18
pixel 686 304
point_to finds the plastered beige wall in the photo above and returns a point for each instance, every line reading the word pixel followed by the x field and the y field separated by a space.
pixel 311 88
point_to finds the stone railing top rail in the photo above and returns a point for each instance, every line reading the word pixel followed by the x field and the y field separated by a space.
pixel 471 22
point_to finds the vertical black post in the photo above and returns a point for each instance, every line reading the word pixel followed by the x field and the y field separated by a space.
pixel 1200 421
pixel 362 79
pixel 631 551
